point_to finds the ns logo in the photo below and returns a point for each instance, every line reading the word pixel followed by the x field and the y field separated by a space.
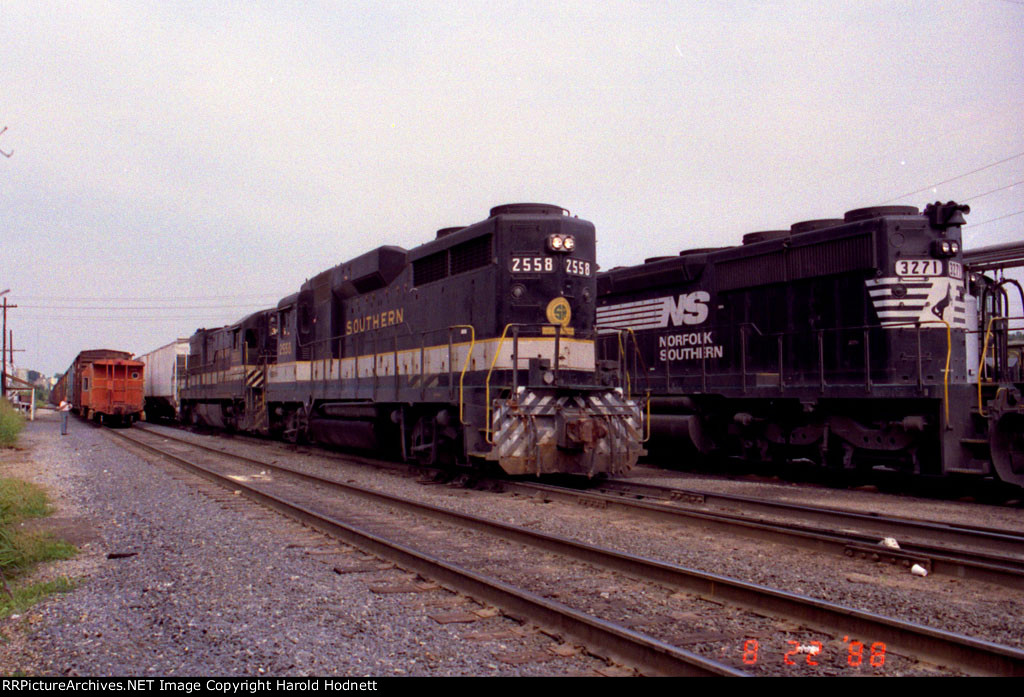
pixel 691 308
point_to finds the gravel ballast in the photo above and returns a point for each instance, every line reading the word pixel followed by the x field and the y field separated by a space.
pixel 206 583
pixel 980 610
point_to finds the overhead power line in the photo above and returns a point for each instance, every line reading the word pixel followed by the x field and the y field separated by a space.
pixel 968 199
pixel 953 179
pixel 262 297
pixel 220 319
pixel 115 308
pixel 985 222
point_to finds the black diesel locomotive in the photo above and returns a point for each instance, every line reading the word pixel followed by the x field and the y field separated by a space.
pixel 478 344
pixel 859 342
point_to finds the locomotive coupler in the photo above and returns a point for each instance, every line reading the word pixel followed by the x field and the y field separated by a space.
pixel 575 431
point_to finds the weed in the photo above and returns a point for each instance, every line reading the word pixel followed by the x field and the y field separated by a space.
pixel 11 423
pixel 27 596
pixel 20 549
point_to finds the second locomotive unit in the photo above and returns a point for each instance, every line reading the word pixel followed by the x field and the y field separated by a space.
pixel 853 343
pixel 476 345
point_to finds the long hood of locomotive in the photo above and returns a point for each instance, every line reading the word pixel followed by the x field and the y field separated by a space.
pixel 700 312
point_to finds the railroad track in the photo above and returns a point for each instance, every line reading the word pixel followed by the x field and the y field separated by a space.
pixel 602 637
pixel 1002 541
pixel 954 550
pixel 651 654
pixel 993 560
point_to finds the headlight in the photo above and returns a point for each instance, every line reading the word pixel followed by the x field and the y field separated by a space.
pixel 955 247
pixel 946 249
pixel 561 243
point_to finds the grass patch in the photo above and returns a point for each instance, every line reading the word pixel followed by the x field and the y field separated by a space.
pixel 20 499
pixel 21 549
pixel 11 423
pixel 27 596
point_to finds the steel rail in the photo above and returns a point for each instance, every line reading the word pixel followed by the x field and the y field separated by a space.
pixel 998 569
pixel 997 540
pixel 905 638
pixel 619 643
pixel 1004 571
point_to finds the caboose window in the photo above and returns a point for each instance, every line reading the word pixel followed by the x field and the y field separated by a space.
pixel 135 375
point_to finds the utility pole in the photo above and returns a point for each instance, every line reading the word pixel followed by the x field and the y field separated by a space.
pixel 3 353
pixel 10 346
pixel 11 351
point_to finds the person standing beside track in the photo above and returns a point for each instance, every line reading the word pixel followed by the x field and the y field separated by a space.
pixel 64 408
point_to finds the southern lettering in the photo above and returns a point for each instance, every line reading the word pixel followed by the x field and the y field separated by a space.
pixel 379 320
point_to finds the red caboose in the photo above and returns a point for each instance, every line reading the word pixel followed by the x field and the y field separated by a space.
pixel 103 385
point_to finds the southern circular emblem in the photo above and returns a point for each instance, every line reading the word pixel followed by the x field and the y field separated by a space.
pixel 559 312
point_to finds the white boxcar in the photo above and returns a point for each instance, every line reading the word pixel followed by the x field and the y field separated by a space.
pixel 164 373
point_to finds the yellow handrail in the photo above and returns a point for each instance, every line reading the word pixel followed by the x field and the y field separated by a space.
pixel 647 400
pixel 487 385
pixel 981 363
pixel 625 365
pixel 945 374
pixel 469 355
pixel 629 391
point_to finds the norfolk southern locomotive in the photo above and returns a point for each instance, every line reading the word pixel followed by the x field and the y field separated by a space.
pixel 476 345
pixel 852 343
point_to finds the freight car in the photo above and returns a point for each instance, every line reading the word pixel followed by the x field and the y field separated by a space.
pixel 859 342
pixel 103 385
pixel 163 375
pixel 478 345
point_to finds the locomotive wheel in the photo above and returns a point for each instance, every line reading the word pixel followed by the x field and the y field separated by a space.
pixel 433 441
pixel 422 447
pixel 296 426
pixel 1007 443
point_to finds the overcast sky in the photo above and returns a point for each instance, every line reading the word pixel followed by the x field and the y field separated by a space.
pixel 199 160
